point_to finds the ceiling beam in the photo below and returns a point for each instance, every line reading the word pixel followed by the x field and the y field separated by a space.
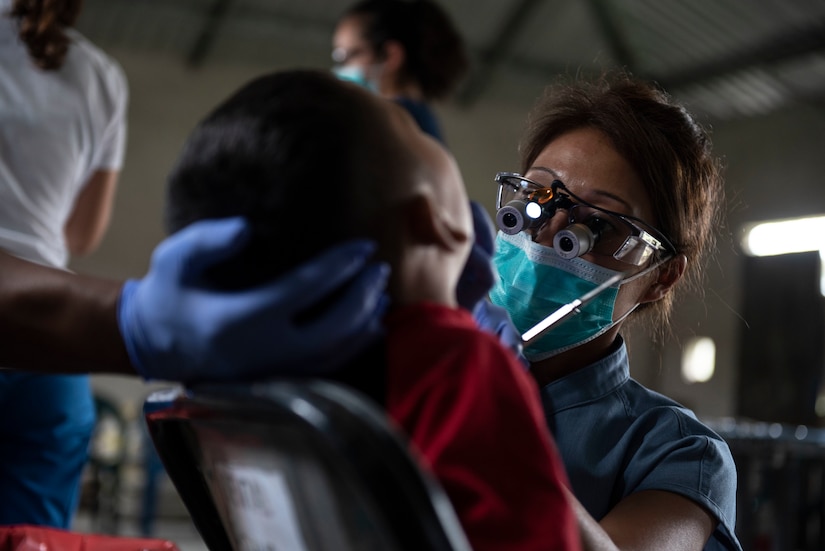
pixel 209 32
pixel 621 51
pixel 497 51
pixel 795 45
pixel 781 49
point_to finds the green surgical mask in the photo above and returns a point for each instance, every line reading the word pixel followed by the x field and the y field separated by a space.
pixel 535 281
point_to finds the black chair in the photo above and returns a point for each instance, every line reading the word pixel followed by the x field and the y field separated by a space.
pixel 297 465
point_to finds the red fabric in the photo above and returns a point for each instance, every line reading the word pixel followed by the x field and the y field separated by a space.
pixel 474 414
pixel 41 538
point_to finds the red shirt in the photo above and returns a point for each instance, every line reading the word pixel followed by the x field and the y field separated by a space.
pixel 474 414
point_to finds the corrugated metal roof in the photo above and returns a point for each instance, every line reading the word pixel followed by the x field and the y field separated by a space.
pixel 726 58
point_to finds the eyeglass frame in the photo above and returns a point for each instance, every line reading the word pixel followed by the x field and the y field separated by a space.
pixel 646 232
pixel 342 56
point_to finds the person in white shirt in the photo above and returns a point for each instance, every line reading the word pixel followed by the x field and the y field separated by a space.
pixel 62 138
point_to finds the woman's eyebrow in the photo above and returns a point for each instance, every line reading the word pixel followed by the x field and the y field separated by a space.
pixel 549 171
pixel 598 192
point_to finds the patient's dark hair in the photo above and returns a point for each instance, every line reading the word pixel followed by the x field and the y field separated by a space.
pixel 305 157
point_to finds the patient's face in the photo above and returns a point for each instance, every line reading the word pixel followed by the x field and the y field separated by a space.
pixel 440 175
pixel 439 242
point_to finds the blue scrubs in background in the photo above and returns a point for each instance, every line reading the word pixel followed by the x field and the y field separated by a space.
pixel 45 428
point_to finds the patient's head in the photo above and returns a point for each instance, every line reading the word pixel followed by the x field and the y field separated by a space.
pixel 312 161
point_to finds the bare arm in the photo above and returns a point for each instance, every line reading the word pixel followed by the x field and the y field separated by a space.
pixel 91 214
pixel 647 521
pixel 55 321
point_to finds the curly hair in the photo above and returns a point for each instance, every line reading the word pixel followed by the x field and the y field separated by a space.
pixel 42 25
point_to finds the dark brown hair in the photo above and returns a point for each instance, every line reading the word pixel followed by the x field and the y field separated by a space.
pixel 668 149
pixel 436 58
pixel 42 25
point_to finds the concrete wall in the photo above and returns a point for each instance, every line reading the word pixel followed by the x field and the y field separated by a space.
pixel 775 167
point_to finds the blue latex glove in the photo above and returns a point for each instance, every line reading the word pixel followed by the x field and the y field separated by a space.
pixel 177 329
pixel 495 319
pixel 479 274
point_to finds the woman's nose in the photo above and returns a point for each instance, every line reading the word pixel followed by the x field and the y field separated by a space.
pixel 545 234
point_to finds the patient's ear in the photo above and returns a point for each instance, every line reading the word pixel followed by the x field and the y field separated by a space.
pixel 429 225
pixel 394 56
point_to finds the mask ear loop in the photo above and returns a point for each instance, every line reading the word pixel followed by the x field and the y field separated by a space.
pixel 644 272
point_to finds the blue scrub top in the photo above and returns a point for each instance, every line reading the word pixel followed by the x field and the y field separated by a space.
pixel 423 115
pixel 617 437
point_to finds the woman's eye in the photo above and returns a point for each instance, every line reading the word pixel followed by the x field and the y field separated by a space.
pixel 608 228
pixel 596 222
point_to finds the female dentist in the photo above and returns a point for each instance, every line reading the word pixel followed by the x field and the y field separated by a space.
pixel 617 183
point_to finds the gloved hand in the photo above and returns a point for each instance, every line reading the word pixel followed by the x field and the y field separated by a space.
pixel 479 273
pixel 495 319
pixel 177 329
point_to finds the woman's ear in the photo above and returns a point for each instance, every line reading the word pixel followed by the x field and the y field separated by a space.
pixel 427 224
pixel 394 56
pixel 667 275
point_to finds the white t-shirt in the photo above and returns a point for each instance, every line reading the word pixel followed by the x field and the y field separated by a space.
pixel 56 129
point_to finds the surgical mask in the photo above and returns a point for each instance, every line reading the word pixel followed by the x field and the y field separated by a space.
pixel 535 281
pixel 356 75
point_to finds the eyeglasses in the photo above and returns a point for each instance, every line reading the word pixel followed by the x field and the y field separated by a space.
pixel 524 204
pixel 342 56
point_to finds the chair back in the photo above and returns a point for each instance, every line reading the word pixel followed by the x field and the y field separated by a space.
pixel 298 465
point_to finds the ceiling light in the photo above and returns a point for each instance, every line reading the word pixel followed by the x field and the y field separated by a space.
pixel 794 235
pixel 699 360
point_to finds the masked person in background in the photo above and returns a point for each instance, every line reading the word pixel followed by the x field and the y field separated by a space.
pixel 617 181
pixel 411 53
pixel 407 51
